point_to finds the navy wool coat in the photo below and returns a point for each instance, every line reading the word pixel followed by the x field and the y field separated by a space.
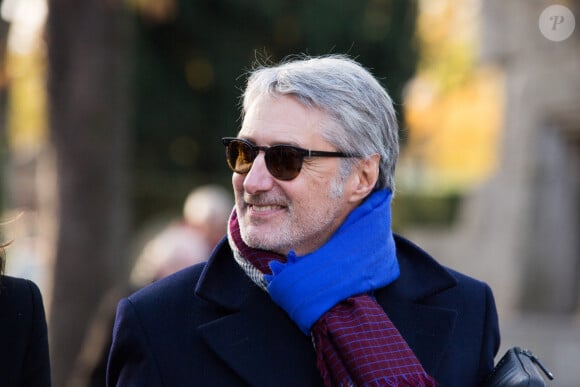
pixel 209 325
pixel 24 359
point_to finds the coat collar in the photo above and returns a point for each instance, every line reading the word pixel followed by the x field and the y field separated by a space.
pixel 256 338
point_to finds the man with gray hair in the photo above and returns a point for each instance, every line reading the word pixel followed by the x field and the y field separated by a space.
pixel 311 287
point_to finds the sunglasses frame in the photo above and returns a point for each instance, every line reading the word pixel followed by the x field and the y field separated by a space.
pixel 255 150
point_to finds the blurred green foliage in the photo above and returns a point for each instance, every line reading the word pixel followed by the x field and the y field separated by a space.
pixel 425 210
pixel 190 72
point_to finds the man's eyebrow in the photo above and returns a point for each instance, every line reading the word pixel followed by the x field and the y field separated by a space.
pixel 248 139
pixel 291 143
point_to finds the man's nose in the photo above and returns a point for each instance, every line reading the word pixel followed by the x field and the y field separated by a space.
pixel 258 179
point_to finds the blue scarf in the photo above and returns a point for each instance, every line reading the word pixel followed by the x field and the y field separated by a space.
pixel 359 258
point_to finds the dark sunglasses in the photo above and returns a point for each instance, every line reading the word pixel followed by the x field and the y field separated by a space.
pixel 284 162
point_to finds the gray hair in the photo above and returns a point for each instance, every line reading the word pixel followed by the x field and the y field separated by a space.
pixel 365 118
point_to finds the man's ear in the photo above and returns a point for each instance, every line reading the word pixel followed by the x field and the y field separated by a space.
pixel 365 175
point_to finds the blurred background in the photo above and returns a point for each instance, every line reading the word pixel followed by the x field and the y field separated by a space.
pixel 111 114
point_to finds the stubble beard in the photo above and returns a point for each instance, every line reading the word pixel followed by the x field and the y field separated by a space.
pixel 291 233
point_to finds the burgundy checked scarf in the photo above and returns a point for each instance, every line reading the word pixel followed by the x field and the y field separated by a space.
pixel 356 343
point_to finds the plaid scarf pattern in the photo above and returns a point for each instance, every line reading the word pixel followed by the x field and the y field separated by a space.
pixel 356 343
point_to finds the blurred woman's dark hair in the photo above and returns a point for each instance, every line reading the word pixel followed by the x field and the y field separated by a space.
pixel 2 245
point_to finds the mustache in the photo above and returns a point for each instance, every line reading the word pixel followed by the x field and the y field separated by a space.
pixel 266 199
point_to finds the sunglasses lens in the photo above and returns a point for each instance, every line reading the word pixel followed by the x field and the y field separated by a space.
pixel 283 162
pixel 239 156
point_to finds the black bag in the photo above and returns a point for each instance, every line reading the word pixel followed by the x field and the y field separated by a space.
pixel 518 367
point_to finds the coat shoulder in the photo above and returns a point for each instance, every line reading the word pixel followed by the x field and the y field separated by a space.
pixel 424 269
pixel 22 296
pixel 473 338
pixel 24 358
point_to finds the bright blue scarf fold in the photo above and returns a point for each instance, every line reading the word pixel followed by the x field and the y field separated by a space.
pixel 359 258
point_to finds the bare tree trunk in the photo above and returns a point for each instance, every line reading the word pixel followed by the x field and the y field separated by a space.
pixel 3 107
pixel 3 84
pixel 89 46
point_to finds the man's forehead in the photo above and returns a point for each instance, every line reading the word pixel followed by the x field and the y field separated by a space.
pixel 282 120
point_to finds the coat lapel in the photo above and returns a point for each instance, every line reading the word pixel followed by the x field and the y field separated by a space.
pixel 254 336
pixel 427 329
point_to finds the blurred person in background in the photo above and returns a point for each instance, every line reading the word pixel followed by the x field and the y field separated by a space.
pixel 311 287
pixel 207 210
pixel 24 356
pixel 179 244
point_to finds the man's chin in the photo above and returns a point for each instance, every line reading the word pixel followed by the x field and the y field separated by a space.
pixel 257 241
